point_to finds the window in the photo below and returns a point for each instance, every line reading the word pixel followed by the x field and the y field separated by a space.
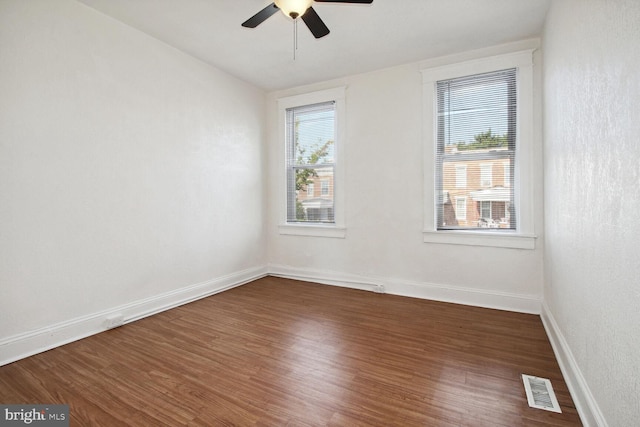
pixel 486 175
pixel 485 209
pixel 461 208
pixel 311 134
pixel 461 176
pixel 476 123
pixel 324 188
pixel 310 155
pixel 478 119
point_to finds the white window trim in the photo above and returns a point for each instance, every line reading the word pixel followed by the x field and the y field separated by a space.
pixel 523 237
pixel 338 229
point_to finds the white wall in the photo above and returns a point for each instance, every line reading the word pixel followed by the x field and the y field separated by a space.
pixel 128 169
pixel 384 207
pixel 592 200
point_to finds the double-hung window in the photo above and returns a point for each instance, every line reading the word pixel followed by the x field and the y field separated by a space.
pixel 310 159
pixel 311 133
pixel 478 119
pixel 475 128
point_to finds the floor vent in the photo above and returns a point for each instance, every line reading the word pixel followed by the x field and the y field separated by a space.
pixel 540 393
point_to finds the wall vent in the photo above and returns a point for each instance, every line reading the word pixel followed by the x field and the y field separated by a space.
pixel 540 393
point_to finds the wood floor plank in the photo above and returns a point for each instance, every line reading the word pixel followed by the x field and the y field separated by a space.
pixel 280 352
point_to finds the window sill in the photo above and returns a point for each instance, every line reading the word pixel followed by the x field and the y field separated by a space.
pixel 313 230
pixel 477 238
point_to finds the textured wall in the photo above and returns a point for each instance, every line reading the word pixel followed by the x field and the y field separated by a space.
pixel 592 194
pixel 127 168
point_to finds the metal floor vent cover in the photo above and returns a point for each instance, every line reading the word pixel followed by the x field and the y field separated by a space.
pixel 540 393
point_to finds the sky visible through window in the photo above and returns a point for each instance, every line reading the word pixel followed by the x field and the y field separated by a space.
pixel 475 109
pixel 314 129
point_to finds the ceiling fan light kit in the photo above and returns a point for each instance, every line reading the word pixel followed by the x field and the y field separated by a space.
pixel 298 8
pixel 293 8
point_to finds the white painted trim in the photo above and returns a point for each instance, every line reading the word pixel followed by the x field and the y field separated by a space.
pixel 587 407
pixel 29 343
pixel 478 238
pixel 324 277
pixel 479 54
pixel 431 291
pixel 478 66
pixel 313 230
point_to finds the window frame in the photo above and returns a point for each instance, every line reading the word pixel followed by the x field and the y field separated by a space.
pixel 523 237
pixel 337 229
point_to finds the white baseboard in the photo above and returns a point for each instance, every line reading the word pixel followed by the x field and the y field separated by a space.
pixel 588 409
pixel 446 293
pixel 27 344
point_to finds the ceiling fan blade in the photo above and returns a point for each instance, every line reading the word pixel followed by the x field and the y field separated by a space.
pixel 261 16
pixel 315 24
pixel 345 1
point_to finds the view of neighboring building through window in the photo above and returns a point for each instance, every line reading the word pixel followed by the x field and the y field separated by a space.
pixel 476 145
pixel 310 139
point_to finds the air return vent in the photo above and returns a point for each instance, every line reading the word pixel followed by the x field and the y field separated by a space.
pixel 540 393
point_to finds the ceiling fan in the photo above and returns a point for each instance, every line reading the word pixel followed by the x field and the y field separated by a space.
pixel 295 9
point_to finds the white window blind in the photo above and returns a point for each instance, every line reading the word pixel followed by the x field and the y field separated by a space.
pixel 310 163
pixel 475 130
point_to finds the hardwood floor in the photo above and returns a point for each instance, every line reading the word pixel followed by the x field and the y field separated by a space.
pixel 279 352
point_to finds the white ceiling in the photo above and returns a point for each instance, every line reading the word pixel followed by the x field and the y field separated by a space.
pixel 363 37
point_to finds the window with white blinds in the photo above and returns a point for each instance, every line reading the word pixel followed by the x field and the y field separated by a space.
pixel 310 163
pixel 311 135
pixel 476 135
